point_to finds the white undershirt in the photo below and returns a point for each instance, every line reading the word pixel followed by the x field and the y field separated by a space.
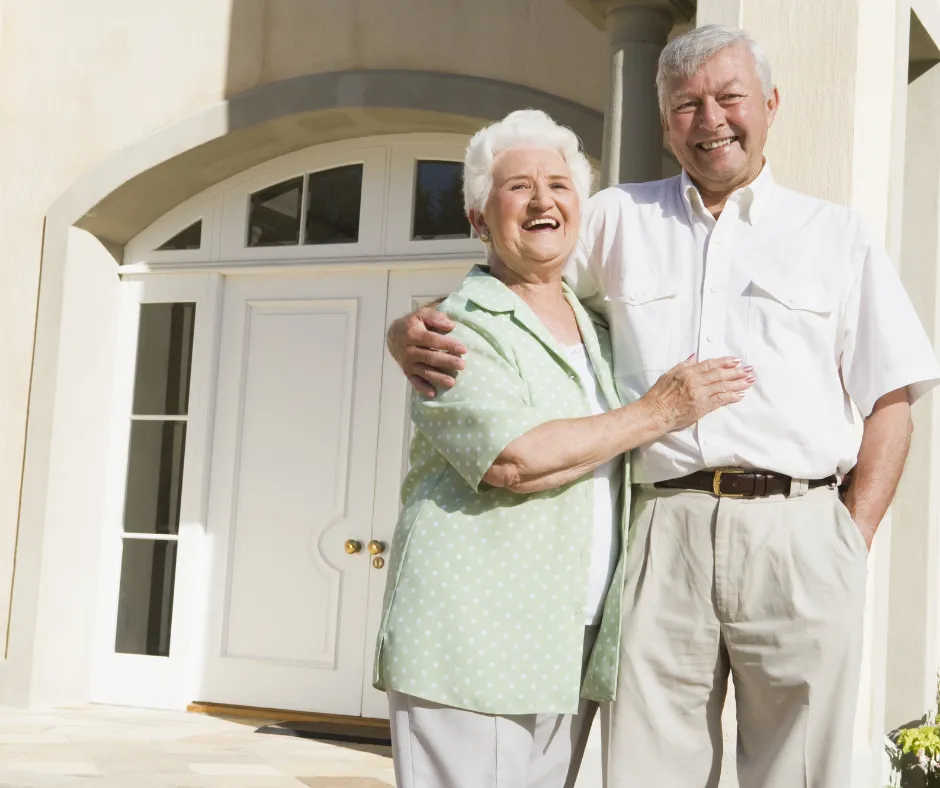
pixel 605 542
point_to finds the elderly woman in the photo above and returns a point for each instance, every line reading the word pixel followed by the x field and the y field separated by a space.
pixel 510 533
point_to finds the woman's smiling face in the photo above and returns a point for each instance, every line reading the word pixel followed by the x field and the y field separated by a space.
pixel 533 212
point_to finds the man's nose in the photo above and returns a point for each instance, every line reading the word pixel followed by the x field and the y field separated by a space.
pixel 711 115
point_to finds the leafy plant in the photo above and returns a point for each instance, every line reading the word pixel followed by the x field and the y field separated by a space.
pixel 914 751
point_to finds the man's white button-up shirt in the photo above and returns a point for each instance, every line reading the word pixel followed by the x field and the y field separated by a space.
pixel 794 286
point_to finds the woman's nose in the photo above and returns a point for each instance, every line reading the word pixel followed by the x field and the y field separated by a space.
pixel 541 197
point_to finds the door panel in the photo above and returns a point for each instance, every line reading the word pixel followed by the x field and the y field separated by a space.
pixel 292 479
pixel 407 290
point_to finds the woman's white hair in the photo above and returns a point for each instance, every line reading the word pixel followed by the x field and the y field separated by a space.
pixel 686 54
pixel 524 128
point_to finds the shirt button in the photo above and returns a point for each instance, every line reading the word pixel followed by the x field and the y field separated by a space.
pixel 712 289
pixel 709 338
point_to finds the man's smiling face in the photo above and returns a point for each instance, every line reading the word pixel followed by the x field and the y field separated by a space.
pixel 717 121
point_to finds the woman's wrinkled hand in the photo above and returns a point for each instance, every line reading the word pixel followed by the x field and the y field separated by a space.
pixel 691 389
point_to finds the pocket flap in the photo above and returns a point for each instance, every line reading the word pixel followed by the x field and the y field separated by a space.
pixel 794 294
pixel 635 292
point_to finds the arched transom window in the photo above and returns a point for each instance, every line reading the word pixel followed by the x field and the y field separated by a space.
pixel 393 196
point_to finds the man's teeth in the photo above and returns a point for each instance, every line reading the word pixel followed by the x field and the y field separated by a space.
pixel 718 143
pixel 540 223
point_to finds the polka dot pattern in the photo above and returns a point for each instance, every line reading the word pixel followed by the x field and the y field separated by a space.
pixel 484 606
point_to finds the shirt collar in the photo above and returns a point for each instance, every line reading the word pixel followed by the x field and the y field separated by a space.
pixel 487 291
pixel 752 198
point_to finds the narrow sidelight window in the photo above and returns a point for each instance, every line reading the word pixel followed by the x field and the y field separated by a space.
pixel 154 482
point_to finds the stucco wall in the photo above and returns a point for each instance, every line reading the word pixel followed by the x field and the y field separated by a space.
pixel 79 81
pixel 531 42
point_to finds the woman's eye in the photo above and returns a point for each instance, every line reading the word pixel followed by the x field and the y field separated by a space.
pixel 517 186
pixel 563 186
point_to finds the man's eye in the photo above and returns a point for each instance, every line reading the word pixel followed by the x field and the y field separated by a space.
pixel 681 107
pixel 731 97
pixel 517 186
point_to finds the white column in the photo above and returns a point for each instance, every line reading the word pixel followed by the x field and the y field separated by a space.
pixel 637 31
pixel 914 628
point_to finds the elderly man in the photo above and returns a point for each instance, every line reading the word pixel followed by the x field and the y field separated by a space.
pixel 742 560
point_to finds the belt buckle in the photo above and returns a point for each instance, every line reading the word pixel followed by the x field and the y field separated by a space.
pixel 716 483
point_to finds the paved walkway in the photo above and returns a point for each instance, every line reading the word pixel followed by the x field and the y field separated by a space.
pixel 109 747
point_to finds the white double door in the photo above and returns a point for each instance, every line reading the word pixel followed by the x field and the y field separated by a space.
pixel 310 445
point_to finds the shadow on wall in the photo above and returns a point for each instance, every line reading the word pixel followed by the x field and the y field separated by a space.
pixel 377 71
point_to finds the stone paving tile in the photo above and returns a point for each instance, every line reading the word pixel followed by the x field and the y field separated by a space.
pixel 105 747
pixel 348 782
pixel 53 767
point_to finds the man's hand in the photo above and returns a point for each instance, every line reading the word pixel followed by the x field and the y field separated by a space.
pixel 885 442
pixel 428 357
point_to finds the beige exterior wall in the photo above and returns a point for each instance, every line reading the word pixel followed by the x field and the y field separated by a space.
pixel 80 81
pixel 532 43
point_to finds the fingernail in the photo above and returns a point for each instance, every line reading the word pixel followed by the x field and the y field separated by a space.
pixel 741 394
pixel 748 369
pixel 691 355
pixel 738 361
pixel 751 378
pixel 462 349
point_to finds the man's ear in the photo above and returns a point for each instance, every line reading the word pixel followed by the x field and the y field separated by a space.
pixel 773 104
pixel 665 124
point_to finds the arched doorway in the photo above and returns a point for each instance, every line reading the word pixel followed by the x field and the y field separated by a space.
pixel 260 435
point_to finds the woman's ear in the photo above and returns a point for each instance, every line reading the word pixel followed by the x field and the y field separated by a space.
pixel 478 222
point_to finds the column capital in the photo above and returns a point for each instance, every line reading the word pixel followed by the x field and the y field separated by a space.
pixel 601 12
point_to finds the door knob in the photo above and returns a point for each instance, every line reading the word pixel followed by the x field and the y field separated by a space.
pixel 352 546
pixel 376 548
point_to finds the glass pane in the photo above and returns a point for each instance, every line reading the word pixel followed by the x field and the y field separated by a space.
pixel 164 359
pixel 438 208
pixel 333 200
pixel 274 214
pixel 154 477
pixel 145 604
pixel 190 238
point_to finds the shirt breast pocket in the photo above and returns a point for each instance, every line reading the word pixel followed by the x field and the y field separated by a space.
pixel 789 320
pixel 641 316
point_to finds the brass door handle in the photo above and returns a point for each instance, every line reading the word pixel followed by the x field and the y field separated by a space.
pixel 376 547
pixel 352 546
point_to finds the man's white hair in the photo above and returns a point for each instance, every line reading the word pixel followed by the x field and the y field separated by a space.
pixel 686 54
pixel 524 128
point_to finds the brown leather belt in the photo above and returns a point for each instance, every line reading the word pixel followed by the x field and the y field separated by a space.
pixel 739 483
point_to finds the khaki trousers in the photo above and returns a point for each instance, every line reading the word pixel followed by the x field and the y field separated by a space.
pixel 435 746
pixel 770 591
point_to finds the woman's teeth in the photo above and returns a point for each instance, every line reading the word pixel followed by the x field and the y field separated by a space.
pixel 535 223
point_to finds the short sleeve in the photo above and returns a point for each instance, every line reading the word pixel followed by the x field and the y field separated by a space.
pixel 583 271
pixel 885 347
pixel 486 410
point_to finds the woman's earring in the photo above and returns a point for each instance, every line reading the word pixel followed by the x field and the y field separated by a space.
pixel 485 236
